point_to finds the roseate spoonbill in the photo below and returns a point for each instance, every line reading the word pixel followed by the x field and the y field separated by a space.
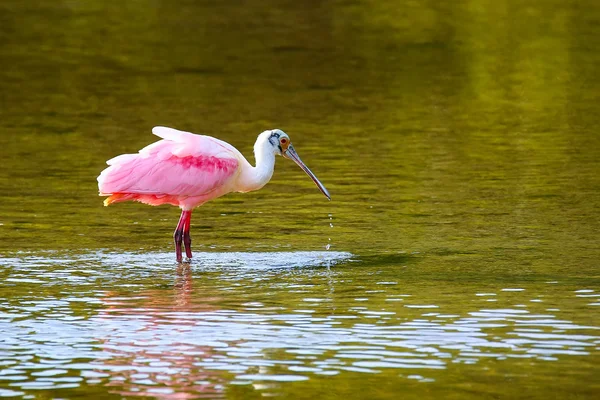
pixel 187 170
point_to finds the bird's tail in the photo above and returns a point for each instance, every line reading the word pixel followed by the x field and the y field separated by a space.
pixel 119 197
pixel 151 199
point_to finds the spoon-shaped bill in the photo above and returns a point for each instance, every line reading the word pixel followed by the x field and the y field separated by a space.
pixel 292 155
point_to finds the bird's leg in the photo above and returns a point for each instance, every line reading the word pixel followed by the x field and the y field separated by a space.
pixel 187 239
pixel 178 235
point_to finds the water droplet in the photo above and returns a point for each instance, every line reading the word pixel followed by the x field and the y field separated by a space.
pixel 328 246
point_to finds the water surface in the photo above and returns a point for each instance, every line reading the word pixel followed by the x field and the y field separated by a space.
pixel 458 257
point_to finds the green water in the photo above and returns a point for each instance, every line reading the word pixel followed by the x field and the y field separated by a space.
pixel 458 257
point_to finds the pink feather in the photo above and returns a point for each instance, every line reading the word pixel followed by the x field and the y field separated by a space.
pixel 182 169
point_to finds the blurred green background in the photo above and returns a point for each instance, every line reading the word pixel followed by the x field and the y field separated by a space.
pixel 457 137
pixel 454 126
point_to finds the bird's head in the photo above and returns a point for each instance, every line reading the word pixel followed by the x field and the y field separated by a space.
pixel 273 141
pixel 279 143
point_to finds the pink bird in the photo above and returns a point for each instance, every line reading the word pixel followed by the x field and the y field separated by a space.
pixel 187 170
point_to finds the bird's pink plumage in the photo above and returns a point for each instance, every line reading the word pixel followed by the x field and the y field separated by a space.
pixel 182 166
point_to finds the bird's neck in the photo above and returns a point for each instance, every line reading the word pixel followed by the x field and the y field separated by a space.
pixel 254 178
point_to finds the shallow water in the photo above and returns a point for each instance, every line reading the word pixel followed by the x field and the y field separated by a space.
pixel 238 324
pixel 458 257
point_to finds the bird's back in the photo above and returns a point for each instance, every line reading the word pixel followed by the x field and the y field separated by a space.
pixel 182 169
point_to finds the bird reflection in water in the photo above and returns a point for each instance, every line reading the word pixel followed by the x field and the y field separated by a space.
pixel 146 363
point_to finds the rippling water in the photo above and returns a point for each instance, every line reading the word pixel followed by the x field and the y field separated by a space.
pixel 134 325
pixel 458 258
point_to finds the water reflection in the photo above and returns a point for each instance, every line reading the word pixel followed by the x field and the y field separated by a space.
pixel 136 364
pixel 244 319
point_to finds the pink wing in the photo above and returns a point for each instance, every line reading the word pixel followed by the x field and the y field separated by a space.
pixel 179 166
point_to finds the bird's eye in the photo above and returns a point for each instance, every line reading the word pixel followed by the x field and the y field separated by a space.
pixel 283 141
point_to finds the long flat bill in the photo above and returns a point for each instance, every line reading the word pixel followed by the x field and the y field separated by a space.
pixel 292 155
